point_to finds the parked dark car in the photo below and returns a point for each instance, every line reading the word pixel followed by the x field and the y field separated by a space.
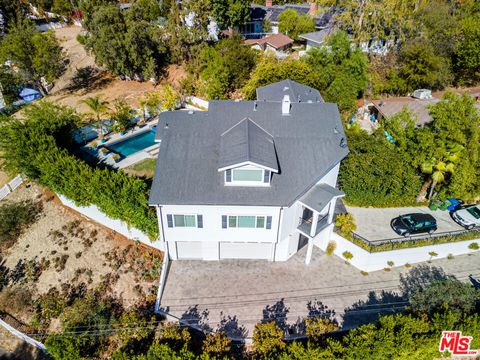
pixel 408 224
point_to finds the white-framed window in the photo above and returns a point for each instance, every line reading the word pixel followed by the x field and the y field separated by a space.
pixel 188 221
pixel 247 176
pixel 247 221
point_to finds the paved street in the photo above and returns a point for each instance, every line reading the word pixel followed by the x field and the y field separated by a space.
pixel 374 223
pixel 243 292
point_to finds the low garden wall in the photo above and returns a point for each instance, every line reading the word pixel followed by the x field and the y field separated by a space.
pixel 367 261
pixel 119 226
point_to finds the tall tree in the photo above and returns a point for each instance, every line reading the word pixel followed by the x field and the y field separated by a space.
pixel 12 12
pixel 231 13
pixel 36 54
pixel 467 51
pixel 291 23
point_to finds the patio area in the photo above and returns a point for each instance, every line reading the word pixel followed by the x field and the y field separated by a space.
pixel 374 223
pixel 233 295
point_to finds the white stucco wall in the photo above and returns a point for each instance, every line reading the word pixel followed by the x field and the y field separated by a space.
pixel 366 261
pixel 119 226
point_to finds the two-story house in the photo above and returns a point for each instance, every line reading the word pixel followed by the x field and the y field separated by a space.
pixel 249 179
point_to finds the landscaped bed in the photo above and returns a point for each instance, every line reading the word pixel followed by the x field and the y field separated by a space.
pixel 404 244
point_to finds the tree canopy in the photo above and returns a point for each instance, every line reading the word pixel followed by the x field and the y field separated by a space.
pixel 291 23
pixel 36 54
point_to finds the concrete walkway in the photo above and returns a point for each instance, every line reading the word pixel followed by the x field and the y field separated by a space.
pixel 374 223
pixel 234 295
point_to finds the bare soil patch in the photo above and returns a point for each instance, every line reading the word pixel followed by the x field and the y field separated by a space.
pixel 64 248
pixel 102 82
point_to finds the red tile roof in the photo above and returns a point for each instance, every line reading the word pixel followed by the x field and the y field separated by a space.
pixel 276 41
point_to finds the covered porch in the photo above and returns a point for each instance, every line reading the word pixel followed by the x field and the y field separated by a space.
pixel 317 209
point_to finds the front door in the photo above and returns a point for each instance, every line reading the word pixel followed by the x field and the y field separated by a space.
pixel 302 241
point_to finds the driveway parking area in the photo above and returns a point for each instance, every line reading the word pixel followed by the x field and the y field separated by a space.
pixel 374 223
pixel 234 295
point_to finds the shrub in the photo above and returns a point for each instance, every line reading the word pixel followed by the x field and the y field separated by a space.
pixel 218 345
pixel 174 336
pixel 49 306
pixel 387 269
pixel 267 339
pixel 15 217
pixel 318 326
pixel 332 245
pixel 345 224
pixel 450 257
pixel 364 273
pixel 347 255
pixel 390 263
pixel 37 146
pixel 458 296
pixel 407 265
pixel 65 346
pixel 15 299
pixel 473 246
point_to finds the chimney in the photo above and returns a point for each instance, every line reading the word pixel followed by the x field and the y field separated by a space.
pixel 313 8
pixel 268 2
pixel 286 105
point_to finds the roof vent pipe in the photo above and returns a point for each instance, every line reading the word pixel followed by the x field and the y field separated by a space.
pixel 255 105
pixel 286 105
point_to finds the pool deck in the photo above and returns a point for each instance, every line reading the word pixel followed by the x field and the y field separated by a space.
pixel 147 153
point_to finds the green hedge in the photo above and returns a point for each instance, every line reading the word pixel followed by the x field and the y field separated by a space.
pixel 37 146
pixel 413 243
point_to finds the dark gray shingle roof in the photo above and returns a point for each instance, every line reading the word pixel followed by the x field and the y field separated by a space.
pixel 247 142
pixel 297 92
pixel 319 196
pixel 307 143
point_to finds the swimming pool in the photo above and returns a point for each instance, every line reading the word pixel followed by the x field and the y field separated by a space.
pixel 133 144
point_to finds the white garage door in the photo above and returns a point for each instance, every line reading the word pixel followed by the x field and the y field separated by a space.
pixel 245 250
pixel 189 250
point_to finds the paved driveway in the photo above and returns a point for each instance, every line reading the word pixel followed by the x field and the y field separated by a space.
pixel 235 294
pixel 374 223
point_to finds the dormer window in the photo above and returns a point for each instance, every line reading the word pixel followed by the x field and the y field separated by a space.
pixel 247 176
pixel 247 155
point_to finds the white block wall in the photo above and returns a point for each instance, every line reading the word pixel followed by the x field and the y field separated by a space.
pixel 119 226
pixel 366 261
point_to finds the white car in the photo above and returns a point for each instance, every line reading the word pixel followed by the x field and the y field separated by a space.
pixel 468 217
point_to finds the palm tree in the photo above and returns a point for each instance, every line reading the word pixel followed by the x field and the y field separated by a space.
pixel 98 108
pixel 438 169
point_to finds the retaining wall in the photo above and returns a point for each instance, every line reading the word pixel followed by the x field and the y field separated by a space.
pixel 366 261
pixel 119 226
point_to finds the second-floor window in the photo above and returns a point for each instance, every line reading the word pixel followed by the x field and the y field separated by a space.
pixel 243 221
pixel 247 177
pixel 176 220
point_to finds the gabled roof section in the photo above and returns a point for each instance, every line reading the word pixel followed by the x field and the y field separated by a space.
pixel 247 143
pixel 297 92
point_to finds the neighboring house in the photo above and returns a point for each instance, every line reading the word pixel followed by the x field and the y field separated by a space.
pixel 249 179
pixel 418 105
pixel 278 43
pixel 270 13
pixel 316 38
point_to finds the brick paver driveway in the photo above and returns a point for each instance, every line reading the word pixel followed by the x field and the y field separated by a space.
pixel 236 294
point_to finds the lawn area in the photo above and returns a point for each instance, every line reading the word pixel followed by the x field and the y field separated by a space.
pixel 144 169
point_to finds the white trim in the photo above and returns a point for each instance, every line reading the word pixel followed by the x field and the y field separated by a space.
pixel 246 163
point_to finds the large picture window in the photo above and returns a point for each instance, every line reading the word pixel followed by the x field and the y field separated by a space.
pixel 259 222
pixel 247 175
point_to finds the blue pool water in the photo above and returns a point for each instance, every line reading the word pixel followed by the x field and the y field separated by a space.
pixel 133 144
